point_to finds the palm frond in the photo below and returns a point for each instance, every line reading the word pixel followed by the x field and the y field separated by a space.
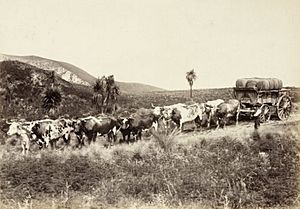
pixel 191 75
pixel 52 98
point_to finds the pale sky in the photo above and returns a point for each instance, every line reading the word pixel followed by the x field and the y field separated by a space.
pixel 157 41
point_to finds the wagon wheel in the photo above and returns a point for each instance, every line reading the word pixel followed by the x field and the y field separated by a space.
pixel 265 113
pixel 284 107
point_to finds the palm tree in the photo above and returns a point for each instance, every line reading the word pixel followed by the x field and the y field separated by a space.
pixel 105 93
pixel 51 99
pixel 52 96
pixel 191 77
pixel 99 93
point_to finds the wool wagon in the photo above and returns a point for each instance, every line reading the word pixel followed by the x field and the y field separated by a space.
pixel 264 97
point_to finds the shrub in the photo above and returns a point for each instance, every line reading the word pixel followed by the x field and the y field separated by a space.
pixel 227 171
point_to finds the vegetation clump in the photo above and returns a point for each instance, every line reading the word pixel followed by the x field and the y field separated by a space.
pixel 259 171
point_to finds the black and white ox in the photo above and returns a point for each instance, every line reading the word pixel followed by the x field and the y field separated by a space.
pixel 48 131
pixel 91 126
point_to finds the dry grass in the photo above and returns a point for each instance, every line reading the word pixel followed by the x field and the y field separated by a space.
pixel 216 169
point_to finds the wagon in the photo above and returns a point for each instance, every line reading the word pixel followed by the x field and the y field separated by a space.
pixel 269 102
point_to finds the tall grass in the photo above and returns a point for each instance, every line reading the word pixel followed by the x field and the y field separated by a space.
pixel 258 170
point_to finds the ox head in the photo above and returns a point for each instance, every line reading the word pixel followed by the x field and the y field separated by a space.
pixel 166 112
pixel 35 127
pixel 14 128
pixel 77 125
pixel 158 111
pixel 126 123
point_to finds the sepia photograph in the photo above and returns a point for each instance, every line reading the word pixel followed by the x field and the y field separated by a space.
pixel 149 104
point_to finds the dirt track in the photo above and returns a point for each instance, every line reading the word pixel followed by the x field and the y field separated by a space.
pixel 244 128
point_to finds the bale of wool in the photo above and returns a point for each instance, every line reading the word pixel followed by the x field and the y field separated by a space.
pixel 280 84
pixel 277 83
pixel 260 83
pixel 241 83
pixel 252 82
pixel 272 83
pixel 263 84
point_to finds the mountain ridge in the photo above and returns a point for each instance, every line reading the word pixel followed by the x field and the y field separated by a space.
pixel 74 74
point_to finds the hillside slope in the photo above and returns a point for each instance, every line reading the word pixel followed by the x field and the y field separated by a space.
pixel 22 87
pixel 75 74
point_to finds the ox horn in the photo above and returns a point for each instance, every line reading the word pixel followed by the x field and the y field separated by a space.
pixel 152 105
pixel 207 105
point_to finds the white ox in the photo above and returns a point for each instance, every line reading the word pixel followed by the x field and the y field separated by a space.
pixel 180 113
pixel 159 110
pixel 22 133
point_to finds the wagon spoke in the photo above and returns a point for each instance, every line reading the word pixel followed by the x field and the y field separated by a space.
pixel 284 107
pixel 265 113
pixel 281 113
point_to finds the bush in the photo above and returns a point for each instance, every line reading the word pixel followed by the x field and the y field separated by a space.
pixel 236 172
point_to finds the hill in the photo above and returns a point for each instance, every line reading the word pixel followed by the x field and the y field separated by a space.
pixel 75 74
pixel 22 86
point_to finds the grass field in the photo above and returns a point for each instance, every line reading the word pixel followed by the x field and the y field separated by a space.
pixel 219 169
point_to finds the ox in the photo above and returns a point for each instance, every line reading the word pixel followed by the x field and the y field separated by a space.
pixel 91 126
pixel 141 120
pixel 50 131
pixel 182 114
pixel 227 110
pixel 210 108
pixel 22 133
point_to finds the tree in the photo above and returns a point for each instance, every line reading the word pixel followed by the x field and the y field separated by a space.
pixel 51 99
pixel 191 77
pixel 52 96
pixel 105 93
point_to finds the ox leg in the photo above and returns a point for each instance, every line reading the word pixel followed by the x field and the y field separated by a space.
pixel 80 140
pixel 27 146
pixel 123 138
pixel 114 134
pixel 238 114
pixel 209 120
pixel 181 127
pixel 94 137
pixel 124 134
pixel 139 135
pixel 128 138
pixel 237 118
pixel 23 149
pixel 89 138
pixel 256 122
pixel 114 138
pixel 111 136
pixel 218 123
pixel 53 144
pixel 134 137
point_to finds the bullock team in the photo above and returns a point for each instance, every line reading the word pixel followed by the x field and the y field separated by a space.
pixel 81 131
